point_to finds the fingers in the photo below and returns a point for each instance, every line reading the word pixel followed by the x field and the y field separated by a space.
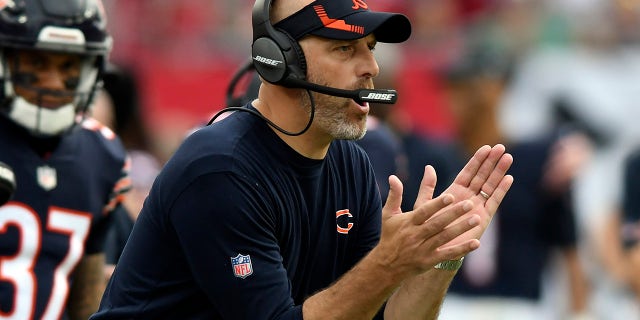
pixel 487 168
pixel 429 208
pixel 497 174
pixel 471 168
pixel 427 186
pixel 441 229
pixel 458 250
pixel 439 222
pixel 498 194
pixel 394 199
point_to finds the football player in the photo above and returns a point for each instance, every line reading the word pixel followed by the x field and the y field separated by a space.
pixel 71 172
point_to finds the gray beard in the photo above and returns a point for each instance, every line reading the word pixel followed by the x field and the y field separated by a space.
pixel 330 115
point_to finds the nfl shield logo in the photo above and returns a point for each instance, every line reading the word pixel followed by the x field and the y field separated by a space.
pixel 241 266
pixel 47 177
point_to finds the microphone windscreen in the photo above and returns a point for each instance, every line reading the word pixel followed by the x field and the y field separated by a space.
pixel 7 183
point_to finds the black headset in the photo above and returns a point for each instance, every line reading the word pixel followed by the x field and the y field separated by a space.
pixel 277 56
pixel 279 59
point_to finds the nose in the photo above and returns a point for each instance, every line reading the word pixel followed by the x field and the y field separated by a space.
pixel 368 66
pixel 51 79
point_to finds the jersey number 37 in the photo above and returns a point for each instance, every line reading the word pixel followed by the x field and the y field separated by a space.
pixel 18 269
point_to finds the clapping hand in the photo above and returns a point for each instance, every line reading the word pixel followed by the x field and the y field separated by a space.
pixel 449 226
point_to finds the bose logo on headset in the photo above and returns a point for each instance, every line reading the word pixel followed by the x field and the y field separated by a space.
pixel 278 57
pixel 380 96
pixel 267 61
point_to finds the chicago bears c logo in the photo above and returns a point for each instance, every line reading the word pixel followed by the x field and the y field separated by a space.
pixel 348 215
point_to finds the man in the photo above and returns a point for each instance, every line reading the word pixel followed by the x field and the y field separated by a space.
pixel 70 171
pixel 504 279
pixel 255 219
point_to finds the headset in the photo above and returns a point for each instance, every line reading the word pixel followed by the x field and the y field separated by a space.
pixel 278 58
pixel 236 102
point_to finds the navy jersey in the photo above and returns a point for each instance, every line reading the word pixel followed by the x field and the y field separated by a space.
pixel 530 222
pixel 59 211
pixel 631 200
pixel 240 226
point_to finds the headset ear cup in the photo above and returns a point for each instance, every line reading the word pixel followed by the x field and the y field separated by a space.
pixel 268 52
pixel 297 63
pixel 269 59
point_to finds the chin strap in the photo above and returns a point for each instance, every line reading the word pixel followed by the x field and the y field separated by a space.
pixel 42 121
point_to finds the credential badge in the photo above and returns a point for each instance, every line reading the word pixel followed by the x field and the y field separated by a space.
pixel 241 265
pixel 47 177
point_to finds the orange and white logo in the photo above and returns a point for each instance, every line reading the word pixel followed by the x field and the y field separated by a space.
pixel 346 214
pixel 359 4
pixel 332 23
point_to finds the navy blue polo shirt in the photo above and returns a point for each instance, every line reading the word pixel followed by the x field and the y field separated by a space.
pixel 240 226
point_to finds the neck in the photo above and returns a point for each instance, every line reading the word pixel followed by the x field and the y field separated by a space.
pixel 283 107
pixel 42 145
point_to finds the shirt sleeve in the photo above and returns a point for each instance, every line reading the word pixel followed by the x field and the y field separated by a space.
pixel 233 252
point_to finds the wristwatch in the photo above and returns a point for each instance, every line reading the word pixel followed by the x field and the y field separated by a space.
pixel 449 264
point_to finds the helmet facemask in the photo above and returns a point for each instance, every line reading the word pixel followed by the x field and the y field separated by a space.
pixel 35 112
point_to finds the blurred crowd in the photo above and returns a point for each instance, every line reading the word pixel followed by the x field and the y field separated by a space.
pixel 557 80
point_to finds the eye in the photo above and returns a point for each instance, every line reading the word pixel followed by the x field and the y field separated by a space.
pixel 71 66
pixel 33 62
pixel 372 45
pixel 345 48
